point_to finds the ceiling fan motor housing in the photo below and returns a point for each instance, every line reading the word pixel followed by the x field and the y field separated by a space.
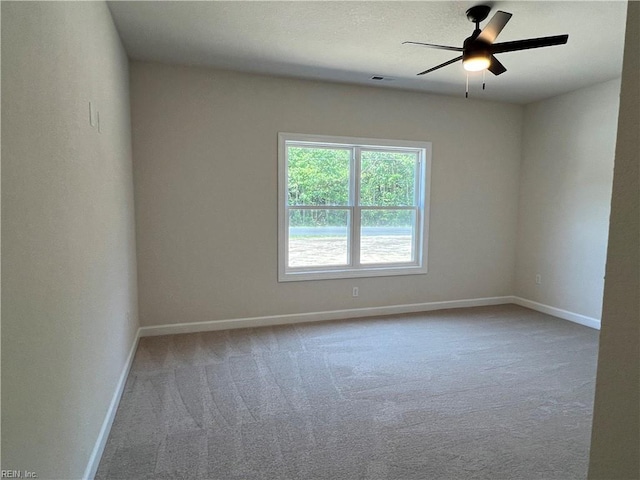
pixel 476 53
pixel 475 49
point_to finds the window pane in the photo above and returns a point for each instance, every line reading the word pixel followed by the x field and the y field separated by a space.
pixel 318 237
pixel 387 236
pixel 318 176
pixel 388 178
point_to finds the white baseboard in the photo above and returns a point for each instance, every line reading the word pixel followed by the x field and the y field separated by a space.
pixel 286 319
pixel 558 312
pixel 317 316
pixel 98 449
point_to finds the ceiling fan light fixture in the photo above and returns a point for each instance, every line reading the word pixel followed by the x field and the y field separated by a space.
pixel 476 62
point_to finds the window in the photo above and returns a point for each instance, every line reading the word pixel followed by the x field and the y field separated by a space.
pixel 351 207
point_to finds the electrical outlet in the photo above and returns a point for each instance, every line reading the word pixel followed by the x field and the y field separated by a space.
pixel 355 291
pixel 538 279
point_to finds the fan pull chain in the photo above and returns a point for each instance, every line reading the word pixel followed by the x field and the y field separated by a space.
pixel 483 77
pixel 466 92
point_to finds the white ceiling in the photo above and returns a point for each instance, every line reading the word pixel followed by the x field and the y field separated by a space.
pixel 352 41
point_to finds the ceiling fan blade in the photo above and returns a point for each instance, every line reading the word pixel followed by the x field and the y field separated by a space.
pixel 441 65
pixel 528 43
pixel 491 31
pixel 431 45
pixel 496 67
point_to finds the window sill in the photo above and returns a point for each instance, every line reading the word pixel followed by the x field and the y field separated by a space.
pixel 298 276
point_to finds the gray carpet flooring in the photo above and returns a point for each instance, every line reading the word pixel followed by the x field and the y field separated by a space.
pixel 483 393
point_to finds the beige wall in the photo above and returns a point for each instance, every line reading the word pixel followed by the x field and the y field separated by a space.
pixel 205 149
pixel 205 170
pixel 565 193
pixel 615 445
pixel 68 255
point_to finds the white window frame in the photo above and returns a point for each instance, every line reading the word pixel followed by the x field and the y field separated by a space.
pixel 355 269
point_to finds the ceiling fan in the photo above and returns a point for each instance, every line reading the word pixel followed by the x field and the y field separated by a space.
pixel 478 50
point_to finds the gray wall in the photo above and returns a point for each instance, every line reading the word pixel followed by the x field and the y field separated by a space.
pixel 205 149
pixel 615 445
pixel 565 193
pixel 68 255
